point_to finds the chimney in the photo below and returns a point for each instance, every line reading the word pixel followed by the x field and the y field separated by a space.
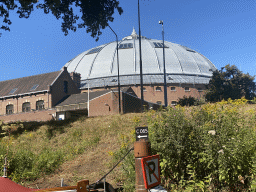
pixel 76 77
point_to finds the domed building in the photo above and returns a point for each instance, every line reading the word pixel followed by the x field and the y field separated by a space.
pixel 187 71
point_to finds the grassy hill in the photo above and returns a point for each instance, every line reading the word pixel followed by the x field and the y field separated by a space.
pixel 71 149
pixel 40 154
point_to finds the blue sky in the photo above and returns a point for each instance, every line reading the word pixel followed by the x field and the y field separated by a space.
pixel 222 30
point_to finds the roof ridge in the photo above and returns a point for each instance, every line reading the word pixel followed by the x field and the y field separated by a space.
pixel 30 76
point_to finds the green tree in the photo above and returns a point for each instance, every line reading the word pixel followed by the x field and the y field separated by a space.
pixel 230 82
pixel 96 14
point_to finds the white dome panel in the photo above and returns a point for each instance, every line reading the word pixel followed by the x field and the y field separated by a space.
pixel 183 65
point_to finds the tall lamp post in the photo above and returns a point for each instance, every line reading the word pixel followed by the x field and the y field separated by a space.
pixel 165 87
pixel 119 100
pixel 141 76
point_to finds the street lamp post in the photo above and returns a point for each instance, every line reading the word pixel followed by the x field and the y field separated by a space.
pixel 165 87
pixel 141 76
pixel 119 99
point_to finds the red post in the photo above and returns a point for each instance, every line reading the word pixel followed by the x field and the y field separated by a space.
pixel 141 149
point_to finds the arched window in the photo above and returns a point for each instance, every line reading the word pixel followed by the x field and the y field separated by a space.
pixel 9 109
pixel 40 105
pixel 26 107
pixel 65 86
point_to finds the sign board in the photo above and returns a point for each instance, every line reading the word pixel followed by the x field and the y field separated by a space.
pixel 141 133
pixel 151 171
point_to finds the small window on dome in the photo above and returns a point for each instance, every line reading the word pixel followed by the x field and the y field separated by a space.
pixel 125 46
pixel 159 45
pixel 187 89
pixel 95 50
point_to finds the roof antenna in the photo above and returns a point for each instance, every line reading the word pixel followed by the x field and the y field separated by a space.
pixel 5 167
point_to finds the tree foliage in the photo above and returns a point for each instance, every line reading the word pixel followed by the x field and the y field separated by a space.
pixel 230 82
pixel 96 14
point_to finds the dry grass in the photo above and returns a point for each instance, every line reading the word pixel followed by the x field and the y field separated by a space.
pixel 100 135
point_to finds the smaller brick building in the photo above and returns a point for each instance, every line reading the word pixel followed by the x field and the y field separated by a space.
pixel 33 98
pixel 101 102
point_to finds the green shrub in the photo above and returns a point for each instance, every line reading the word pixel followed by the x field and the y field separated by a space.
pixel 188 101
pixel 47 161
pixel 211 148
pixel 127 176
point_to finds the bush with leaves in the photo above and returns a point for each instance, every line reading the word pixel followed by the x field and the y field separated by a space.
pixel 211 147
pixel 188 101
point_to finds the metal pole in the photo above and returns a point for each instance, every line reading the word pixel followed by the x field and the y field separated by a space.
pixel 165 87
pixel 88 102
pixel 141 76
pixel 5 167
pixel 119 99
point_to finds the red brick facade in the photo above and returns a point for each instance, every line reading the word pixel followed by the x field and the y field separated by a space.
pixel 60 88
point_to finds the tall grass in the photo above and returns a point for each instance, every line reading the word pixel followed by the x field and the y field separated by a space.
pixel 205 148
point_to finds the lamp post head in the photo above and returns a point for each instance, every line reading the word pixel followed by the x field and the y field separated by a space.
pixel 161 22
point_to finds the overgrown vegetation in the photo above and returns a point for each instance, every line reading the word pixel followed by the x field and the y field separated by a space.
pixel 40 152
pixel 203 148
pixel 208 147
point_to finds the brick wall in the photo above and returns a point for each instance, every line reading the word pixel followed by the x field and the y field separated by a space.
pixel 57 89
pixel 152 95
pixel 44 115
pixel 17 102
pixel 103 105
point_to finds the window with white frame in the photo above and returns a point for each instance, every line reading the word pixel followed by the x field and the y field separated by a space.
pixel 173 88
pixel 158 89
pixel 187 89
pixel 174 103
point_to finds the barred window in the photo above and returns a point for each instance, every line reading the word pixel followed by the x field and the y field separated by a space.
pixel 9 109
pixel 26 107
pixel 40 105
